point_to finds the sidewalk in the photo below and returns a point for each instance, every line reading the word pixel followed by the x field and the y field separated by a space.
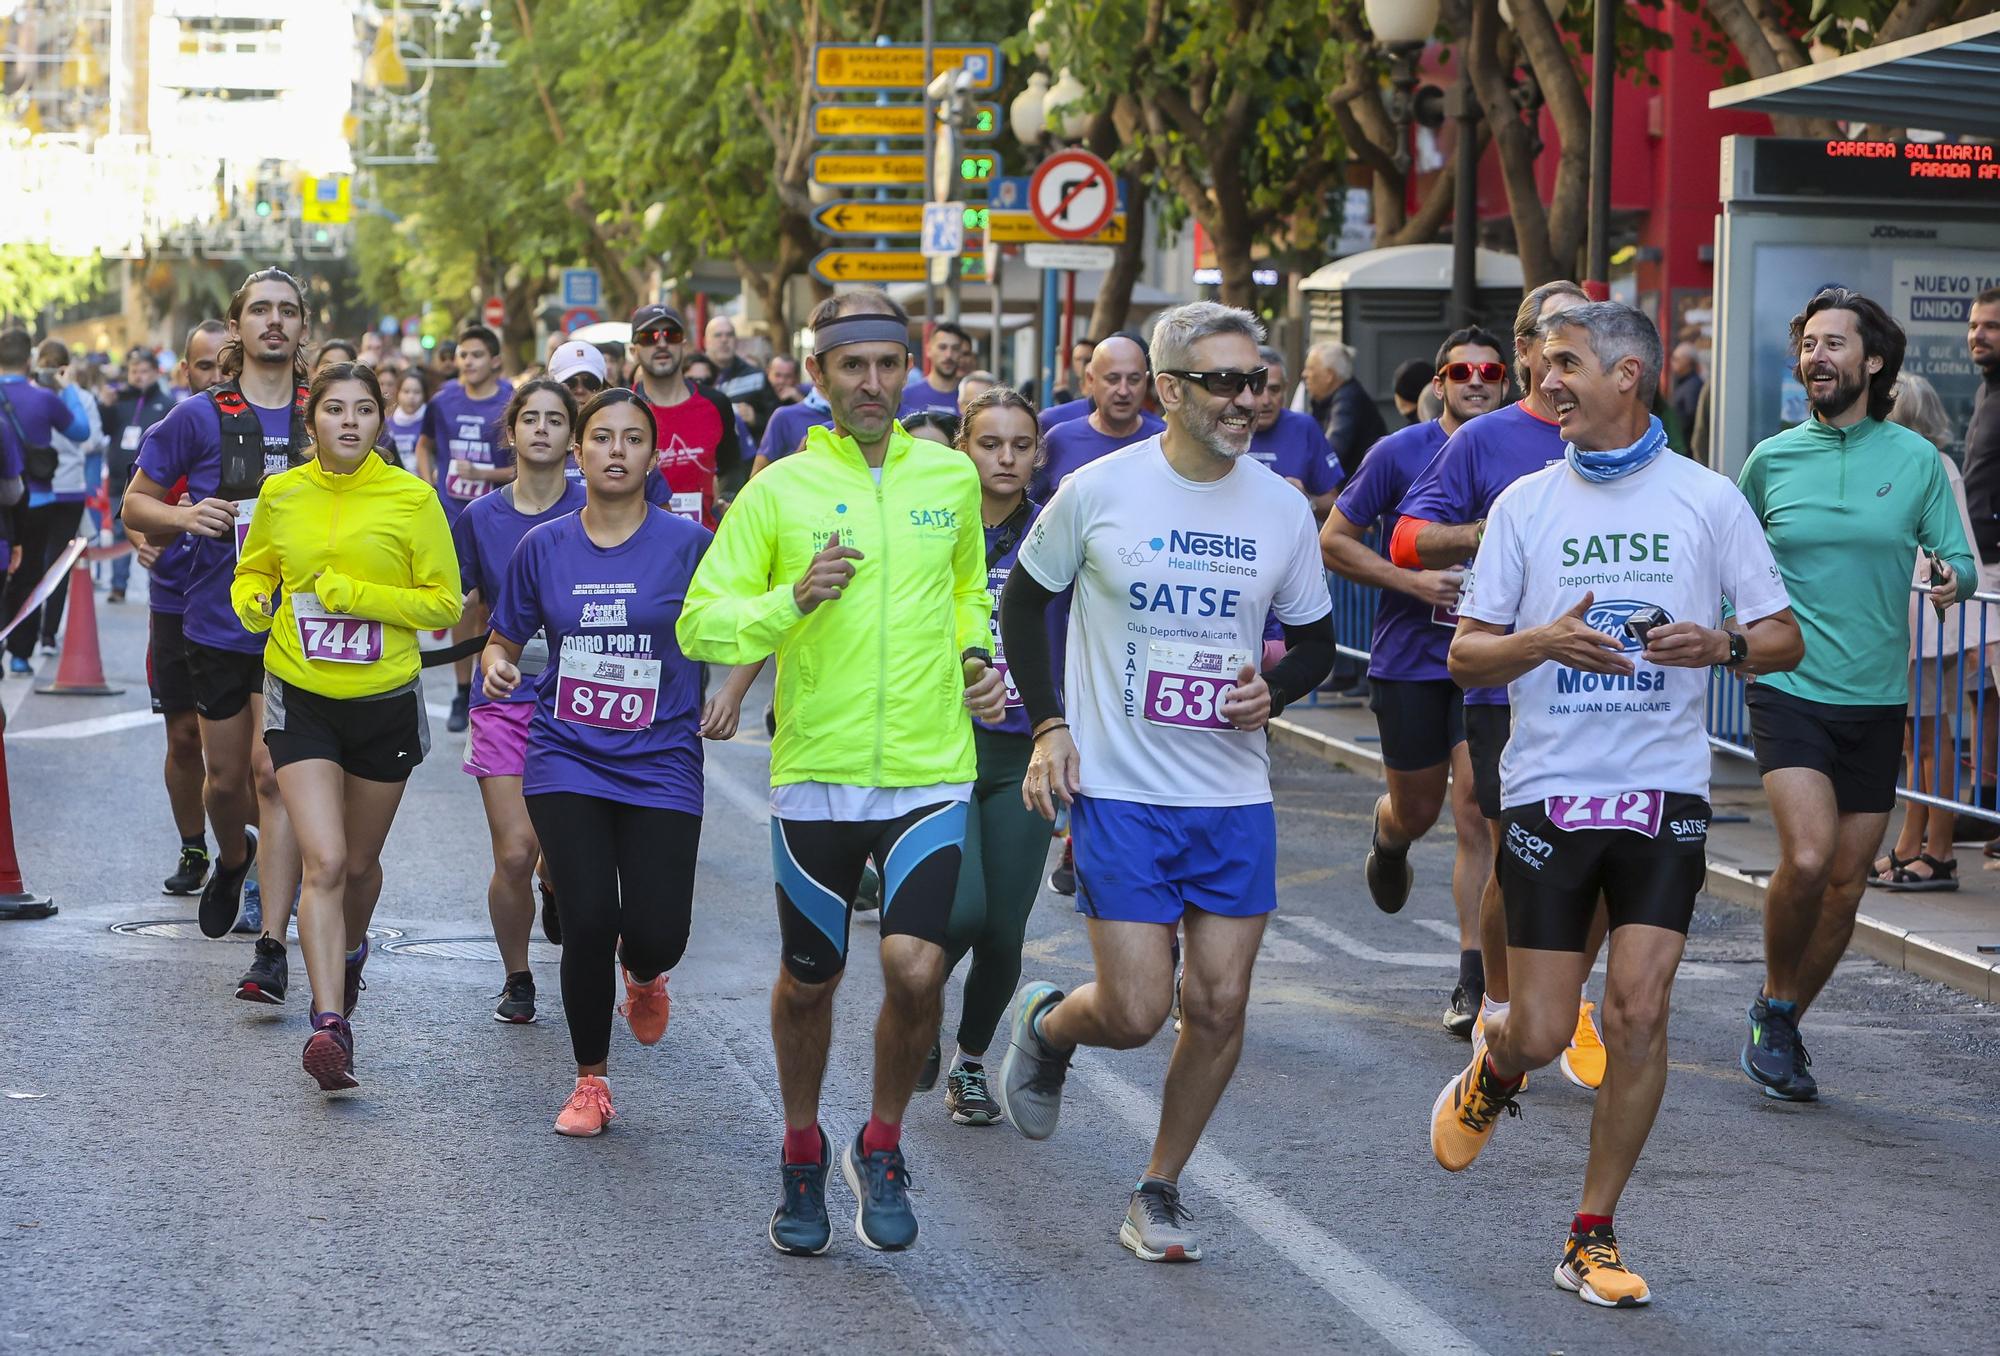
pixel 1938 936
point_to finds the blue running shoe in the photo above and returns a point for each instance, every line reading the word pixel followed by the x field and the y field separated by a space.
pixel 251 920
pixel 1774 1057
pixel 20 667
pixel 799 1225
pixel 881 1185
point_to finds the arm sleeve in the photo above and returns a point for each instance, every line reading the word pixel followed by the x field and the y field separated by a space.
pixel 1309 655
pixel 1024 605
pixel 258 570
pixel 1942 534
pixel 736 613
pixel 432 603
pixel 972 604
pixel 1403 543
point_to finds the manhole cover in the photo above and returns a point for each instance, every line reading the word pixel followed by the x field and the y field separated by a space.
pixel 461 948
pixel 187 930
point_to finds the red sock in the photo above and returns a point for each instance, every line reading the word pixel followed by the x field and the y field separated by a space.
pixel 879 1134
pixel 802 1146
pixel 1583 1223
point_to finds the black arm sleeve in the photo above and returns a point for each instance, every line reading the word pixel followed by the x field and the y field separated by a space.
pixel 728 453
pixel 1024 633
pixel 1309 654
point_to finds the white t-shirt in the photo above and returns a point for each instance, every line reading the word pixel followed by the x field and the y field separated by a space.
pixel 1675 535
pixel 1174 578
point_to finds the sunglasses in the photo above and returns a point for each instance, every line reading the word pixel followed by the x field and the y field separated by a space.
pixel 664 334
pixel 584 384
pixel 1460 373
pixel 1226 383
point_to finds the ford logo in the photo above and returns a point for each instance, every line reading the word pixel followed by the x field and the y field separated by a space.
pixel 1609 616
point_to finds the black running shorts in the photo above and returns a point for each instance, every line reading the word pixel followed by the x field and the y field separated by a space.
pixel 1486 732
pixel 223 680
pixel 1858 748
pixel 818 864
pixel 167 676
pixel 1421 721
pixel 379 739
pixel 1551 878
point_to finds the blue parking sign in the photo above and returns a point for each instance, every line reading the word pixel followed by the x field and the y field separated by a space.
pixel 581 287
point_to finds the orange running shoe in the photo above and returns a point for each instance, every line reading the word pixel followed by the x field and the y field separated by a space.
pixel 1583 1062
pixel 1464 1114
pixel 588 1109
pixel 646 1008
pixel 1593 1271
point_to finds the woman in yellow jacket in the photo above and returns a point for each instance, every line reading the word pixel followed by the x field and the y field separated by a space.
pixel 347 558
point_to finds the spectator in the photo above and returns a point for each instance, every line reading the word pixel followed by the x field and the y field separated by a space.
pixel 972 385
pixel 443 363
pixel 80 462
pixel 1344 409
pixel 1687 384
pixel 1413 381
pixel 144 403
pixel 373 350
pixel 1079 363
pixel 1982 433
pixel 33 415
pixel 737 378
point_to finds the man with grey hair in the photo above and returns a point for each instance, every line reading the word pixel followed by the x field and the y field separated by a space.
pixel 1178 547
pixel 1348 414
pixel 1596 596
pixel 972 384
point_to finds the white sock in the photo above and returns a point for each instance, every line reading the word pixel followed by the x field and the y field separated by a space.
pixel 961 1059
pixel 1490 1009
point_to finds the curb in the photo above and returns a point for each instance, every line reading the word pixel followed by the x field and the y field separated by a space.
pixel 1896 947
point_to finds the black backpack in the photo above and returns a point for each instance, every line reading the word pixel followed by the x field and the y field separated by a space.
pixel 243 467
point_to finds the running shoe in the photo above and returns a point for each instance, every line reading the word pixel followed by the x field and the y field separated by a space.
pixel 329 1053
pixel 880 1182
pixel 517 1000
pixel 268 975
pixel 551 920
pixel 646 1008
pixel 588 1109
pixel 928 1076
pixel 1775 1056
pixel 1464 1114
pixel 799 1225
pixel 1155 1227
pixel 1063 879
pixel 1583 1062
pixel 1032 1073
pixel 115 596
pixel 967 1097
pixel 222 898
pixel 191 872
pixel 1180 973
pixel 1463 1013
pixel 20 667
pixel 459 718
pixel 1388 873
pixel 1592 1270
pixel 868 894
pixel 252 918
pixel 350 990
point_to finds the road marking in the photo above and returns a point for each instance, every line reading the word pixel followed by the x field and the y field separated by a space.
pixel 1400 1318
pixel 15 693
pixel 83 729
pixel 1689 969
pixel 1360 950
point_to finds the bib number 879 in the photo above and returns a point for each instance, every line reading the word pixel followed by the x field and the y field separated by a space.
pixel 1176 699
pixel 609 705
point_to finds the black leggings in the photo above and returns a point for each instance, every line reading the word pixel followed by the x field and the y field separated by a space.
pixel 621 872
pixel 41 533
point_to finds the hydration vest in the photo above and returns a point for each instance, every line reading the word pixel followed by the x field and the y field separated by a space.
pixel 243 465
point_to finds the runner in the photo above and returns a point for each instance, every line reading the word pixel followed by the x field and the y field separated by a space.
pixel 1441 517
pixel 1829 735
pixel 1118 378
pixel 736 379
pixel 845 561
pixel 1612 567
pixel 697 428
pixel 406 419
pixel 462 453
pixel 224 444
pixel 346 560
pixel 539 423
pixel 785 433
pixel 579 367
pixel 1293 444
pixel 612 777
pixel 949 350
pixel 144 403
pixel 1168 776
pixel 1418 709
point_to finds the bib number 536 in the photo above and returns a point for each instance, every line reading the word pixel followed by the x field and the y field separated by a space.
pixel 1174 699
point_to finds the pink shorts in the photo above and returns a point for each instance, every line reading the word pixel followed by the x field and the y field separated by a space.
pixel 496 740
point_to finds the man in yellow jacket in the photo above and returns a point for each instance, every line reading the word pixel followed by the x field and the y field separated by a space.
pixel 861 564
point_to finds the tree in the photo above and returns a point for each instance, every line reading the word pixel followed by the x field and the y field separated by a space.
pixel 34 279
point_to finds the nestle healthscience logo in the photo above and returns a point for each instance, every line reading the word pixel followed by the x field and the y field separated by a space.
pixel 603 614
pixel 1610 616
pixel 1212 544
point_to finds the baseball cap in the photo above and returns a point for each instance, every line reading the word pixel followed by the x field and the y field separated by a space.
pixel 646 317
pixel 576 358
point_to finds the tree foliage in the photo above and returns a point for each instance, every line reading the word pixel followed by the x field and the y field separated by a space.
pixel 34 278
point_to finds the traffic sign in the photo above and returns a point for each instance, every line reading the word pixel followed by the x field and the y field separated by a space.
pixel 895 120
pixel 1072 195
pixel 944 230
pixel 494 313
pixel 1009 193
pixel 1020 228
pixel 581 287
pixel 854 65
pixel 870 218
pixel 871 266
pixel 326 200
pixel 576 317
pixel 1074 257
pixel 875 169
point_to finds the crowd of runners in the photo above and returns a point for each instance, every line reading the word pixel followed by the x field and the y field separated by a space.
pixel 1005 638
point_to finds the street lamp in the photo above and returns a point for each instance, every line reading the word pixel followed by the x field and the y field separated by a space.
pixel 1024 114
pixel 1401 29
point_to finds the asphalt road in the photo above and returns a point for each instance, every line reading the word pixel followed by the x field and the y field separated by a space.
pixel 175 1183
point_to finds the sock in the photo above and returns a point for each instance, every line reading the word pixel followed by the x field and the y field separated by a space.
pixel 802 1146
pixel 1783 1007
pixel 354 955
pixel 1491 1010
pixel 195 842
pixel 1472 971
pixel 879 1135
pixel 1154 1179
pixel 965 1061
pixel 1583 1223
pixel 464 691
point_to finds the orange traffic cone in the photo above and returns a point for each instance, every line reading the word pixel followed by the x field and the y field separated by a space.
pixel 80 673
pixel 16 904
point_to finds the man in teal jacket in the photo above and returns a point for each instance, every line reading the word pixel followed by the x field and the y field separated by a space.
pixel 1846 500
pixel 861 563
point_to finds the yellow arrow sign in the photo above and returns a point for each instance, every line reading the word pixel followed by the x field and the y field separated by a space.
pixel 893 120
pixel 873 266
pixel 858 66
pixel 871 218
pixel 1021 228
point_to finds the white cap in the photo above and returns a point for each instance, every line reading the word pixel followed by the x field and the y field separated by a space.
pixel 575 358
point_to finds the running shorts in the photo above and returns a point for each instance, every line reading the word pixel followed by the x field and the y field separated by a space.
pixel 167 676
pixel 818 864
pixel 1551 878
pixel 379 739
pixel 1858 748
pixel 1486 731
pixel 223 680
pixel 1421 721
pixel 1139 863
pixel 496 741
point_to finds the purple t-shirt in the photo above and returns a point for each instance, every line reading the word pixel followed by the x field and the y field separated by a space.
pixel 1484 457
pixel 617 604
pixel 920 397
pixel 403 434
pixel 486 535
pixel 787 427
pixel 1296 448
pixel 462 428
pixel 1409 643
pixel 1063 413
pixel 1015 721
pixel 1073 445
pixel 188 442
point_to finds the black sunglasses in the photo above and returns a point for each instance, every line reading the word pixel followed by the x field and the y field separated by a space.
pixel 1226 383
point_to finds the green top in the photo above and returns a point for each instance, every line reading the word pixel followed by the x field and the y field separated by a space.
pixel 1845 511
pixel 871 685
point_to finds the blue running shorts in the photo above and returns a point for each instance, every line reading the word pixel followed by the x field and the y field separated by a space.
pixel 1140 863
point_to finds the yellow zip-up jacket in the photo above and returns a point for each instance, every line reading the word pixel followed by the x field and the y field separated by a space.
pixel 372 545
pixel 871 685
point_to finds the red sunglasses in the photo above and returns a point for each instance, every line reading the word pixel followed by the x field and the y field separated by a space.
pixel 1460 373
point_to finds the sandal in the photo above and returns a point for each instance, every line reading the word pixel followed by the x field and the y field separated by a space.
pixel 1943 876
pixel 1878 872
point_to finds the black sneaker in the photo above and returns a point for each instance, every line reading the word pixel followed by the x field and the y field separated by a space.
pixel 265 980
pixel 222 897
pixel 1463 1012
pixel 458 719
pixel 517 1000
pixel 551 920
pixel 968 1098
pixel 1388 871
pixel 799 1225
pixel 189 875
pixel 880 1182
pixel 928 1078
pixel 1063 879
pixel 1775 1057
pixel 868 894
pixel 353 985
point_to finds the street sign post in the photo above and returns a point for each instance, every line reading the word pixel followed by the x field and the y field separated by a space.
pixel 876 169
pixel 1073 195
pixel 582 287
pixel 853 65
pixel 944 230
pixel 894 121
pixel 870 218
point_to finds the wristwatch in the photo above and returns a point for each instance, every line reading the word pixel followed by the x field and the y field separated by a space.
pixel 1739 649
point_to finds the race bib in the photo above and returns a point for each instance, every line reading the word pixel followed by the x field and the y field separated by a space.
pixel 607 692
pixel 128 441
pixel 685 504
pixel 1007 677
pixel 459 487
pixel 1638 811
pixel 245 508
pixel 1444 616
pixel 334 638
pixel 1187 684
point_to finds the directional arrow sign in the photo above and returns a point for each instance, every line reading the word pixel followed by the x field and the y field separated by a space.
pixel 894 120
pixel 843 65
pixel 874 169
pixel 1021 228
pixel 870 218
pixel 871 266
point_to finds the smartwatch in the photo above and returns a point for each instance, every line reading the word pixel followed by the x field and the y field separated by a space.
pixel 1739 649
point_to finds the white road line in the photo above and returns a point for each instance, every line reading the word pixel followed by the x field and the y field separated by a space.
pixel 1448 931
pixel 83 729
pixel 1400 1318
pixel 1360 950
pixel 15 692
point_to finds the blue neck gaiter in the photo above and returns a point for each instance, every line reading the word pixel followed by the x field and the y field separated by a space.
pixel 1599 467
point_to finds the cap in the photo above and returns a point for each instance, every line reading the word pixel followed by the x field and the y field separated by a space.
pixel 575 358
pixel 647 316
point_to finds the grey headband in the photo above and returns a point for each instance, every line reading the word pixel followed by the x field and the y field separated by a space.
pixel 870 327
